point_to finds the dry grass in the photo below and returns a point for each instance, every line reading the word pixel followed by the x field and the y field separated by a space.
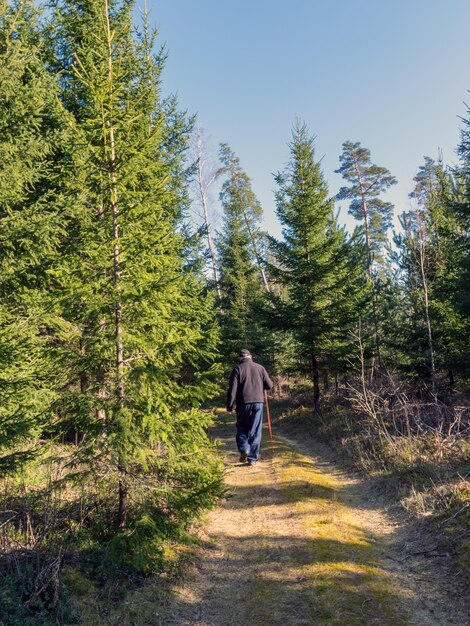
pixel 423 465
pixel 295 543
pixel 63 561
pixel 342 578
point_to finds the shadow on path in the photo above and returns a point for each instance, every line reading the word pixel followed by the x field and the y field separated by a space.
pixel 287 547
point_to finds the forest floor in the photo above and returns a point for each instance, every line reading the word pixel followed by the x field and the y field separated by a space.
pixel 297 541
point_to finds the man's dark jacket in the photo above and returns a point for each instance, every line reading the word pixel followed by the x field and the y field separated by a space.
pixel 247 383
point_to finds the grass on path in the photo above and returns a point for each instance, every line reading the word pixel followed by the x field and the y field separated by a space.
pixel 287 548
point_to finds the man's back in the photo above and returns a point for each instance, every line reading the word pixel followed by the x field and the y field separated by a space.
pixel 247 383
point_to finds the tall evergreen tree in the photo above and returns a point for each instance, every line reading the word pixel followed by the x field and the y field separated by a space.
pixel 32 142
pixel 462 207
pixel 130 326
pixel 367 182
pixel 241 271
pixel 431 261
pixel 316 264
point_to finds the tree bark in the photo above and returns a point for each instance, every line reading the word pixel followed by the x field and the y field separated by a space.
pixel 108 129
pixel 370 274
pixel 255 250
pixel 122 507
pixel 202 187
pixel 316 384
pixel 422 266
pixel 451 379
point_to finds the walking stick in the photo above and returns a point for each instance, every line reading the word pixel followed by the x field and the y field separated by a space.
pixel 269 420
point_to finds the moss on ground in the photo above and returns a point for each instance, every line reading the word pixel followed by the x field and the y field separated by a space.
pixel 335 576
pixel 288 546
pixel 427 474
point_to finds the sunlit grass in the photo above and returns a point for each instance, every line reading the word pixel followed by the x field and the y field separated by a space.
pixel 338 579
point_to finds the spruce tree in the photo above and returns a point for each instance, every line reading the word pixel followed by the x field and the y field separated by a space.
pixel 33 139
pixel 462 210
pixel 316 263
pixel 133 333
pixel 430 260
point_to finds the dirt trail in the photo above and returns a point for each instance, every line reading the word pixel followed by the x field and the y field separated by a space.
pixel 296 542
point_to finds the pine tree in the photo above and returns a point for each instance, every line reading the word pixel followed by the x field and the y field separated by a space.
pixel 130 325
pixel 241 268
pixel 316 264
pixel 367 181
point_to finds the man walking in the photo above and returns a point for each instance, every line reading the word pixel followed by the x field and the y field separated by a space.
pixel 246 387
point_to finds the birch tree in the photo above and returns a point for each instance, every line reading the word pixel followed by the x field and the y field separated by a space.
pixel 206 174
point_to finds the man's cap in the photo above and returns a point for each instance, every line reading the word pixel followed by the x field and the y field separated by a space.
pixel 243 354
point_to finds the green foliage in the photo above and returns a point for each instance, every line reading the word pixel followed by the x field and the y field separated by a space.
pixel 430 258
pixel 33 136
pixel 108 334
pixel 239 262
pixel 133 332
pixel 367 181
pixel 316 264
pixel 462 212
pixel 140 548
pixel 20 602
pixel 108 331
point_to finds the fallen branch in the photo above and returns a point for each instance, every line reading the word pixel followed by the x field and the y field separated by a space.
pixel 465 506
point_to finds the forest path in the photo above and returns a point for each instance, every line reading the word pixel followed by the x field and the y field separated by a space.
pixel 298 542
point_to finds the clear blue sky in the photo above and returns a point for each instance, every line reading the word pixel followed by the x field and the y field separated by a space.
pixel 392 74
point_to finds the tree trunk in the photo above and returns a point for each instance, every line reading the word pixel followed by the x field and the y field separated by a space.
pixel 427 313
pixel 84 384
pixel 203 187
pixel 451 379
pixel 108 129
pixel 346 386
pixel 255 250
pixel 122 508
pixel 365 210
pixel 316 384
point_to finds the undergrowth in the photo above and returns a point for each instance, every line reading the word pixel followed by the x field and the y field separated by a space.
pixel 62 552
pixel 424 466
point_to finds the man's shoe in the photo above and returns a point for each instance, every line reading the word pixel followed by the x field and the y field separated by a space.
pixel 251 462
pixel 243 456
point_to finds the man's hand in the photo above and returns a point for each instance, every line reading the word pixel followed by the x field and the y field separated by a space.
pixel 229 410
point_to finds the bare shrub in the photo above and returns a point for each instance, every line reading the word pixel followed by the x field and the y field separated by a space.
pixel 391 409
